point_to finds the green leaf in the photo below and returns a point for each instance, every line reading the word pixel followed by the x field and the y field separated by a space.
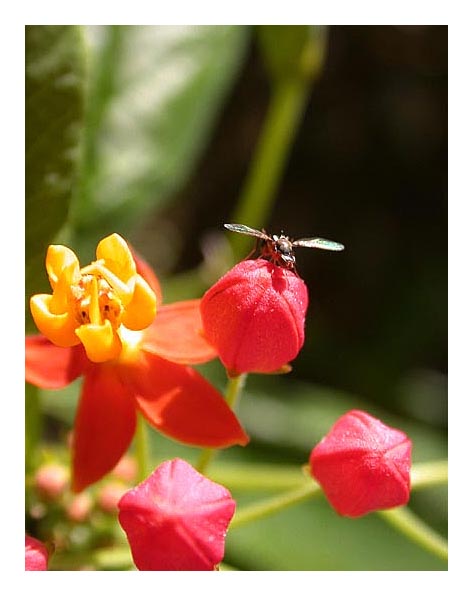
pixel 154 95
pixel 54 113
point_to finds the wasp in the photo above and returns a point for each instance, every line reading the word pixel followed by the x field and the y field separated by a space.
pixel 279 249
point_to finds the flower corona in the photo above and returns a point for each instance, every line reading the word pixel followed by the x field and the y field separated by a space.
pixel 91 305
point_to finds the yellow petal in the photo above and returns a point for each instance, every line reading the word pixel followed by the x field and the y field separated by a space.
pixel 58 259
pixel 141 311
pixel 58 328
pixel 101 342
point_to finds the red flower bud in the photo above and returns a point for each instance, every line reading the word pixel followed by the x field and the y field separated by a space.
pixel 363 465
pixel 36 555
pixel 254 316
pixel 176 520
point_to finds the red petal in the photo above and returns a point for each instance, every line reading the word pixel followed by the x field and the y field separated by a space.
pixel 176 520
pixel 176 334
pixel 147 273
pixel 51 367
pixel 104 426
pixel 179 402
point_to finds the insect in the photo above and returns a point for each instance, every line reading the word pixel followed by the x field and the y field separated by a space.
pixel 278 249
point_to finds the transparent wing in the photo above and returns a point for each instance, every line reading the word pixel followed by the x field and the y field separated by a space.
pixel 318 243
pixel 241 229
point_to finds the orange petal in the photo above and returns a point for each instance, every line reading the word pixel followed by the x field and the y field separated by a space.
pixel 140 312
pixel 117 256
pixel 179 402
pixel 62 288
pixel 51 367
pixel 176 334
pixel 101 342
pixel 104 426
pixel 59 328
pixel 59 258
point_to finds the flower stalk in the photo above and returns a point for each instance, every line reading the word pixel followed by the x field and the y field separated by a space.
pixel 285 110
pixel 275 504
pixel 416 530
pixel 234 388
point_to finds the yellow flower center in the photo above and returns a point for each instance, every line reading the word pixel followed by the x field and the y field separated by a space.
pixel 94 304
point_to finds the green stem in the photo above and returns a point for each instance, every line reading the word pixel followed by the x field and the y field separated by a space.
pixel 260 477
pixel 272 151
pixel 406 522
pixel 275 504
pixel 429 474
pixel 250 476
pixel 33 427
pixel 142 448
pixel 234 388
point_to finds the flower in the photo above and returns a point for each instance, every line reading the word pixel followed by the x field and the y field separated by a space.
pixel 254 316
pixel 362 465
pixel 36 555
pixel 100 322
pixel 176 520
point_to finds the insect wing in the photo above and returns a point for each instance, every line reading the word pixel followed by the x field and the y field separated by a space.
pixel 318 243
pixel 241 229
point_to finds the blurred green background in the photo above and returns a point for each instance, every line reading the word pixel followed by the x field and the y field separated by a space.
pixel 154 132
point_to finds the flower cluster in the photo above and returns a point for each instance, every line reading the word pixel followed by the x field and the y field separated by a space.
pixel 106 322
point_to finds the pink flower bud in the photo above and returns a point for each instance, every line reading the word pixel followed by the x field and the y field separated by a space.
pixel 51 480
pixel 109 495
pixel 363 465
pixel 36 555
pixel 126 469
pixel 176 520
pixel 254 316
pixel 79 508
